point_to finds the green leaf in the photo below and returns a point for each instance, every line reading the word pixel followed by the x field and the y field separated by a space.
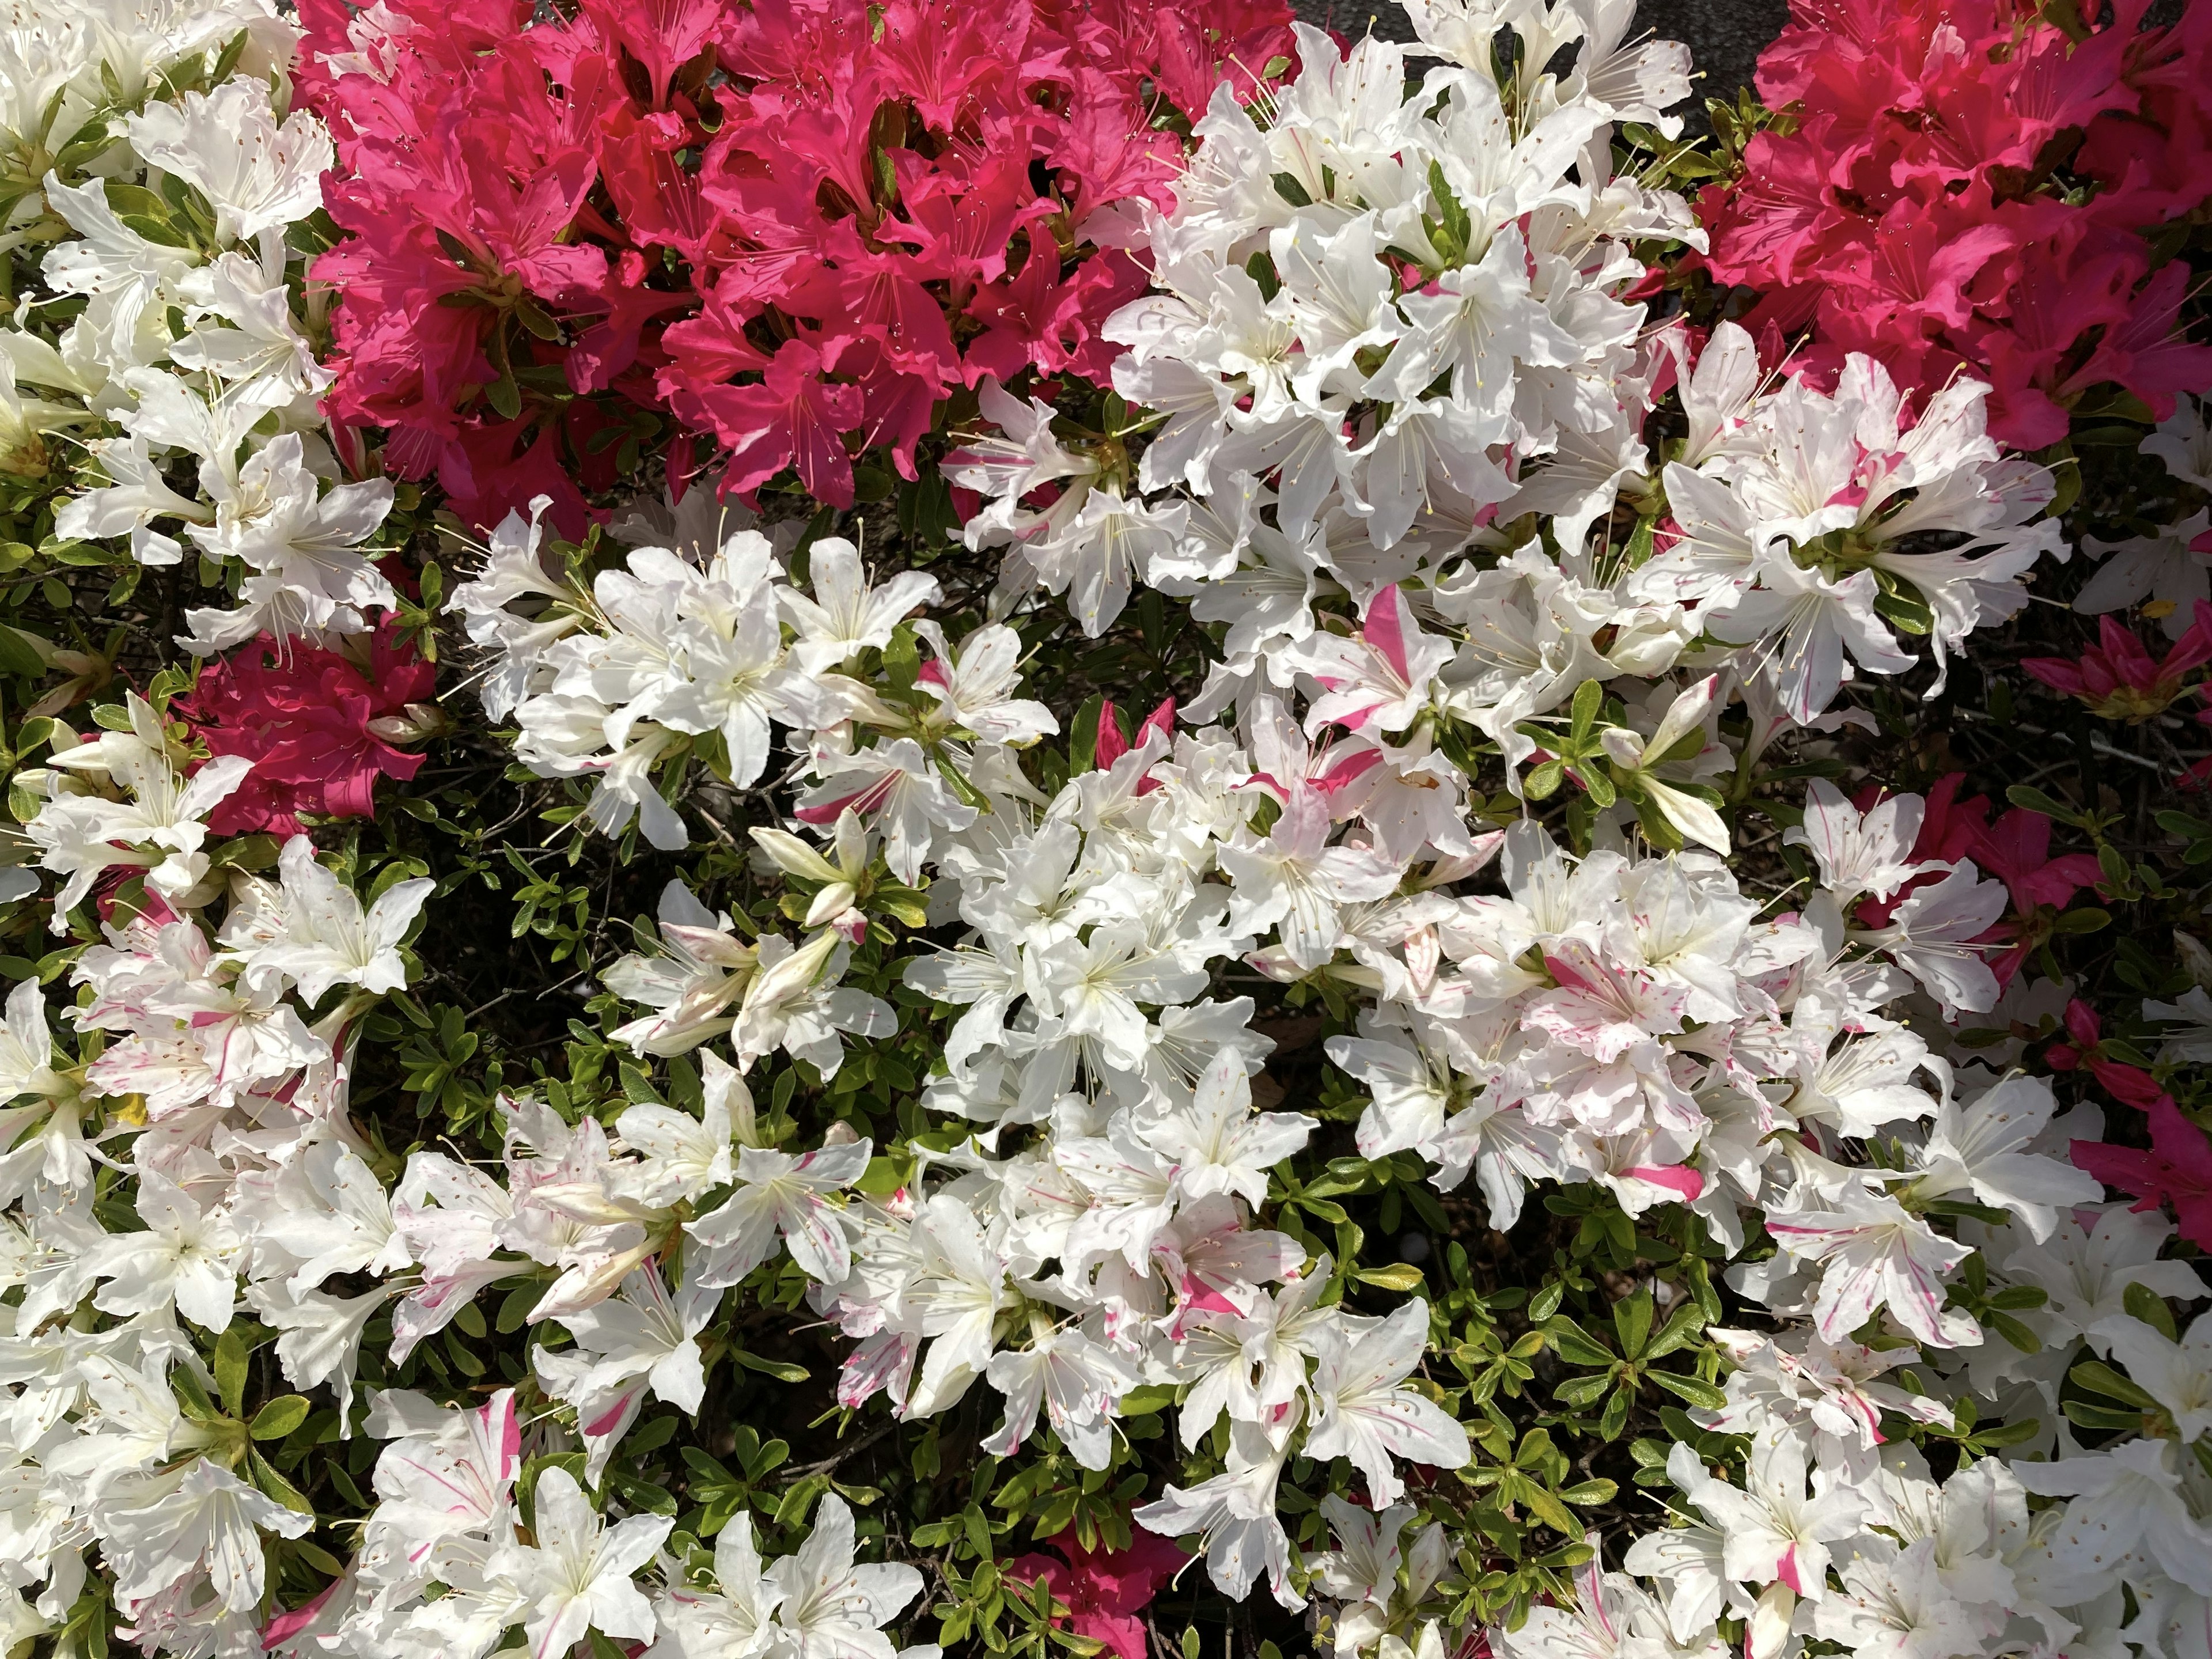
pixel 883 1177
pixel 1403 1276
pixel 2144 1304
pixel 1334 1182
pixel 1682 1329
pixel 2100 1378
pixel 1552 1512
pixel 1614 1417
pixel 1902 608
pixel 1589 698
pixel 536 321
pixel 1574 1345
pixel 1083 736
pixel 1580 1391
pixel 191 1396
pixel 783 1370
pixel 979 1532
pixel 1631 1321
pixel 231 1355
pixel 1695 1389
pixel 265 1477
pixel 792 1511
pixel 2083 919
pixel 279 1417
pixel 16 656
pixel 514 1308
pixel 2026 795
pixel 2087 1416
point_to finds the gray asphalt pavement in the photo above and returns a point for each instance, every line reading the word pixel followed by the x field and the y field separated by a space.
pixel 1725 37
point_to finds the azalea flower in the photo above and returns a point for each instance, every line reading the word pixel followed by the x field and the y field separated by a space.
pixel 1875 1254
pixel 1076 1379
pixel 1294 880
pixel 228 144
pixel 832 1608
pixel 1774 1530
pixel 1982 1147
pixel 1899 1608
pixel 1234 1513
pixel 326 939
pixel 1363 1411
pixel 2177 1374
pixel 1106 1590
pixel 735 1620
pixel 780 1196
pixel 2125 1503
pixel 577 1578
pixel 1218 1144
pixel 186 1258
pixel 320 728
pixel 209 1522
pixel 845 615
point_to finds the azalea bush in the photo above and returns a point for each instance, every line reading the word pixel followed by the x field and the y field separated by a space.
pixel 838 831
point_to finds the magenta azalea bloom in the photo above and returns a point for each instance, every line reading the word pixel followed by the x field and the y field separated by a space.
pixel 319 730
pixel 1106 1591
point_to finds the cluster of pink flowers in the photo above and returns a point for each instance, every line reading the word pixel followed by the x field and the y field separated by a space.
pixel 320 728
pixel 1963 187
pixel 793 230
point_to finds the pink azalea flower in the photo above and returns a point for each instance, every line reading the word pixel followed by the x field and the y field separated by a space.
pixel 2085 1051
pixel 2119 678
pixel 2177 1168
pixel 319 730
pixel 1106 1591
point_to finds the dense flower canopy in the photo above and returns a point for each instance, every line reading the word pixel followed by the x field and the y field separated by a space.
pixel 841 830
pixel 758 228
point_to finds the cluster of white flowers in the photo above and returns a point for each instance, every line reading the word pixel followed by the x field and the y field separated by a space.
pixel 224 1050
pixel 217 1027
pixel 686 650
pixel 450 1561
pixel 1387 301
pixel 1839 1535
pixel 1625 1020
pixel 1390 345
pixel 168 216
